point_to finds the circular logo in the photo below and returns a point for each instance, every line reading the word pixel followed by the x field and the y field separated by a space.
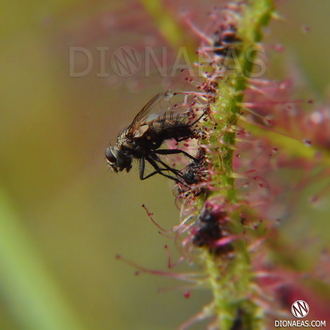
pixel 299 309
pixel 126 61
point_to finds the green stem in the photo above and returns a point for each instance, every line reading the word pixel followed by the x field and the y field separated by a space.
pixel 232 279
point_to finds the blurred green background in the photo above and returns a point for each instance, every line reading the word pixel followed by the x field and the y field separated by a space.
pixel 64 216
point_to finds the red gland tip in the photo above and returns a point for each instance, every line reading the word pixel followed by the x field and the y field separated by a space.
pixel 313 199
pixel 187 294
pixel 306 29
pixel 278 47
pixel 307 142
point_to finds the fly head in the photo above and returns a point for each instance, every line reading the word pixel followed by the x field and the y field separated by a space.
pixel 118 160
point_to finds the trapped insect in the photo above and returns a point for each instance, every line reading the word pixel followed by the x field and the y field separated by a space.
pixel 210 228
pixel 195 172
pixel 144 136
pixel 194 175
pixel 225 39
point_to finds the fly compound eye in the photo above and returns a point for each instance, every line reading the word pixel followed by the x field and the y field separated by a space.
pixel 110 156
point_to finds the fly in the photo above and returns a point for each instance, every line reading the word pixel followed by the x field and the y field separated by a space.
pixel 142 139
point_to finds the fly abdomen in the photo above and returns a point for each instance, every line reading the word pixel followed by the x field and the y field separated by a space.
pixel 178 133
pixel 165 129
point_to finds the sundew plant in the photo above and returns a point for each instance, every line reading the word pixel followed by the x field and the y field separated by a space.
pixel 244 208
pixel 257 149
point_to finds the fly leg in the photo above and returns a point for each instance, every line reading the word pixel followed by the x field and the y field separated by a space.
pixel 176 172
pixel 156 167
pixel 174 151
pixel 167 167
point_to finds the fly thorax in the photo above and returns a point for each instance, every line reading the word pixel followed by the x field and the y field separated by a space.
pixel 157 126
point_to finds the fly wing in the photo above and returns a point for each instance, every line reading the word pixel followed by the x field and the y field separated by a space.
pixel 173 112
pixel 142 115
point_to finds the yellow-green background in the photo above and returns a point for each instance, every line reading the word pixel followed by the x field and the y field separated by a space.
pixel 64 216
